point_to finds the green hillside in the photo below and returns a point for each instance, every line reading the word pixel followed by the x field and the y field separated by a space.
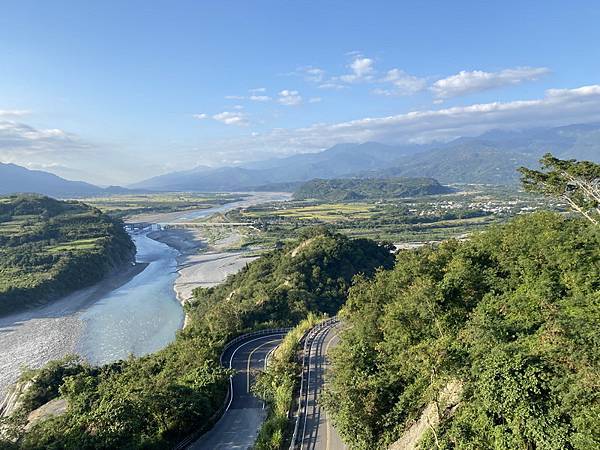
pixel 507 323
pixel 49 248
pixel 369 188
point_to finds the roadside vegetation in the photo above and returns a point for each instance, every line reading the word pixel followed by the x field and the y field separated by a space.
pixel 276 386
pixel 153 401
pixel 49 248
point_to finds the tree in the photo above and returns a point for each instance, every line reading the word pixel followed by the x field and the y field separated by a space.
pixel 576 182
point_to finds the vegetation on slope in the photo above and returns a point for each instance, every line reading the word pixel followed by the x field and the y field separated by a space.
pixel 276 386
pixel 348 189
pixel 511 315
pixel 50 247
pixel 153 401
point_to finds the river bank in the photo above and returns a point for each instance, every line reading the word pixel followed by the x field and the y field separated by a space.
pixel 200 263
pixel 33 337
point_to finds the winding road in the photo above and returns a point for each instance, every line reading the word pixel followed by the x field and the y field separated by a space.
pixel 315 430
pixel 244 414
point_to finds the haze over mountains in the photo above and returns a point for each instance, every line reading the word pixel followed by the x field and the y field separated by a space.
pixel 15 178
pixel 490 158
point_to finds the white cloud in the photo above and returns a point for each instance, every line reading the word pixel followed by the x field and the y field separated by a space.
pixel 362 70
pixel 234 97
pixel 289 98
pixel 200 116
pixel 311 73
pixel 231 118
pixel 557 107
pixel 13 113
pixel 259 98
pixel 315 100
pixel 332 85
pixel 468 82
pixel 402 83
pixel 257 90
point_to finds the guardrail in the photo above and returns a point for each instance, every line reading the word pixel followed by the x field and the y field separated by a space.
pixel 212 421
pixel 308 338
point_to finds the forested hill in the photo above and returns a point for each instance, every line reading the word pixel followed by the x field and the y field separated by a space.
pixel 345 189
pixel 496 338
pixel 49 248
pixel 153 401
pixel 281 288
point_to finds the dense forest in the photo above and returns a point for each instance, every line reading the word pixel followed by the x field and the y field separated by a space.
pixel 348 189
pixel 152 401
pixel 50 247
pixel 496 338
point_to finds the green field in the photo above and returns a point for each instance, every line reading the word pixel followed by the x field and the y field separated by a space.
pixel 419 219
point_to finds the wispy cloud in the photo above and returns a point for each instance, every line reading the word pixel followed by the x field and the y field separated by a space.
pixel 468 82
pixel 401 83
pixel 260 98
pixel 289 98
pixel 310 73
pixel 231 118
pixel 13 113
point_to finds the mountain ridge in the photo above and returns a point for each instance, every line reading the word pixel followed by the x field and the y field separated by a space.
pixel 492 158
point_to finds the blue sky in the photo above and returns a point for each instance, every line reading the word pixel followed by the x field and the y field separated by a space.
pixel 116 91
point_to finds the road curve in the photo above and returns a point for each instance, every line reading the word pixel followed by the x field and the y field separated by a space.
pixel 239 425
pixel 315 430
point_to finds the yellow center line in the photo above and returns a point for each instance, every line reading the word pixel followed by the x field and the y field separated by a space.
pixel 250 360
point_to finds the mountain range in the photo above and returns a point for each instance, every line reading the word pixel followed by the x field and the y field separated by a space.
pixel 491 158
pixel 14 178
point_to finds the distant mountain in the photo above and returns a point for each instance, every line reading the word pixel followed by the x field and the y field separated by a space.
pixel 17 179
pixel 490 158
pixel 495 156
pixel 467 162
pixel 337 161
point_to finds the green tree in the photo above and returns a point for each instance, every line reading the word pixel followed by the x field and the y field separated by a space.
pixel 576 182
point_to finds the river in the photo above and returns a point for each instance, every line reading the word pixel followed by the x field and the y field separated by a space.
pixel 104 325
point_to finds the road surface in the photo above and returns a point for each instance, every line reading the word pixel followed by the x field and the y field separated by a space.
pixel 239 426
pixel 315 429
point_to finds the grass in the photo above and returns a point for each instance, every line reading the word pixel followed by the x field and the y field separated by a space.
pixel 78 245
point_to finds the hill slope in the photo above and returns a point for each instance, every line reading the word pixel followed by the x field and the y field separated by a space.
pixel 500 329
pixel 368 188
pixel 49 248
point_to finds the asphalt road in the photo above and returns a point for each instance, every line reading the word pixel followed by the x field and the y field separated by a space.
pixel 315 430
pixel 239 425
